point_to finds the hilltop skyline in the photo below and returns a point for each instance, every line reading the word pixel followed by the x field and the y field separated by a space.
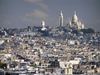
pixel 23 13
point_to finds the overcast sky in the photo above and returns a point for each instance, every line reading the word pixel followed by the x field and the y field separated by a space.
pixel 23 13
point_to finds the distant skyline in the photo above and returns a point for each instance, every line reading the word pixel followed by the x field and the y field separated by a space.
pixel 23 13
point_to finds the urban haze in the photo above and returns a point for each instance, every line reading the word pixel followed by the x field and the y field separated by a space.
pixel 49 37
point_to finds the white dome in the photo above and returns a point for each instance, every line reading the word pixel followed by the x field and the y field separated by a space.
pixel 82 26
pixel 43 29
pixel 74 18
pixel 69 23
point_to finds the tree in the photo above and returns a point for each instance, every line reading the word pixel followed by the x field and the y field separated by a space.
pixel 75 31
pixel 89 30
pixel 34 65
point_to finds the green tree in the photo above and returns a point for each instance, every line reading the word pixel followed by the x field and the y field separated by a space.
pixel 34 65
pixel 89 30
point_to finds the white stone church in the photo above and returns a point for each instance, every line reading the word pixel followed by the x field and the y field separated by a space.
pixel 75 23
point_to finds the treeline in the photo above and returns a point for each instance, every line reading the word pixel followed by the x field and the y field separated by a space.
pixel 89 30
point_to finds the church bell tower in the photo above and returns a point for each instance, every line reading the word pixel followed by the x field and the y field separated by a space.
pixel 61 20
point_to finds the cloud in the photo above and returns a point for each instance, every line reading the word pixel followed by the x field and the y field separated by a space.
pixel 32 21
pixel 32 1
pixel 38 14
pixel 38 3
pixel 35 17
pixel 27 19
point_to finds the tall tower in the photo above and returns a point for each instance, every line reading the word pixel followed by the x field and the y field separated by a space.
pixel 61 20
pixel 43 24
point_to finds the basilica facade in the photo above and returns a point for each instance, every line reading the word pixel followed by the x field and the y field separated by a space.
pixel 75 23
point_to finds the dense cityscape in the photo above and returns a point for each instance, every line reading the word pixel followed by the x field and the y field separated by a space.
pixel 43 50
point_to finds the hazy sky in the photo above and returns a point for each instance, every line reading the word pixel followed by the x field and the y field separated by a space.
pixel 23 13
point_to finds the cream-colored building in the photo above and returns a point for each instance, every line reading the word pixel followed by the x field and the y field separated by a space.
pixel 43 26
pixel 75 23
pixel 68 67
